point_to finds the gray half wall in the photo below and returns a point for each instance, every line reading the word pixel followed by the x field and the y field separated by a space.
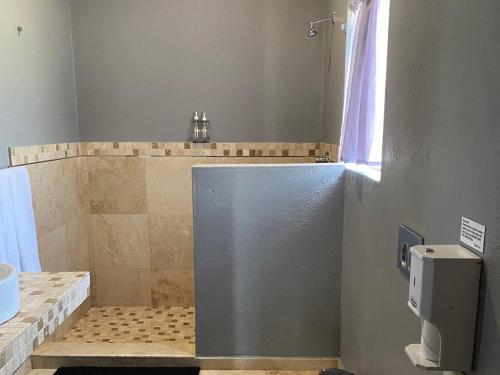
pixel 37 95
pixel 268 259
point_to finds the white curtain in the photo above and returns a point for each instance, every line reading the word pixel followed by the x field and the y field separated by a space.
pixel 366 57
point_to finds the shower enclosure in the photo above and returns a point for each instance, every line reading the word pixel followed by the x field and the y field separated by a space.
pixel 118 201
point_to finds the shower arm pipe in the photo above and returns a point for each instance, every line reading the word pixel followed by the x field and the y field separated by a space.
pixel 332 18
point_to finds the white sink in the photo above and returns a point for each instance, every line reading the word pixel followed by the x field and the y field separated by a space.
pixel 9 292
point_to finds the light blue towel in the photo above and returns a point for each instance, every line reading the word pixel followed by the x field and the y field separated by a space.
pixel 9 250
pixel 18 242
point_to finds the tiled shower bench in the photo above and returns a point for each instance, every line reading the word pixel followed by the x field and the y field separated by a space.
pixel 47 300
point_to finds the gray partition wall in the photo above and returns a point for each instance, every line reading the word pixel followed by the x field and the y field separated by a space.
pixel 268 259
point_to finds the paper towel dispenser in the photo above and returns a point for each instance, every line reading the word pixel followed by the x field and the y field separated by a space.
pixel 444 290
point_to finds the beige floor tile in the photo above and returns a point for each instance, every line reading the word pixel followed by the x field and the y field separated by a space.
pixel 42 372
pixel 233 372
pixel 291 372
pixel 289 366
pixel 114 354
pixel 135 324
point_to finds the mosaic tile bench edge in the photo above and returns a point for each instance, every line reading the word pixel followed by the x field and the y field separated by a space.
pixel 38 319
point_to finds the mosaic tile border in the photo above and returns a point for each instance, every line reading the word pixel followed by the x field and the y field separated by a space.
pixel 40 153
pixel 35 154
pixel 47 299
pixel 205 149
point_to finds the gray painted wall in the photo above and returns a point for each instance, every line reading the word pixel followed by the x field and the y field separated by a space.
pixel 37 96
pixel 143 67
pixel 441 162
pixel 267 259
pixel 334 75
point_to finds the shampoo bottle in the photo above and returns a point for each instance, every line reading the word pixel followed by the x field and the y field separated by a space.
pixel 195 128
pixel 205 128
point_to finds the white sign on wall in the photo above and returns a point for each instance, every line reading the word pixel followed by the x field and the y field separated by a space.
pixel 472 234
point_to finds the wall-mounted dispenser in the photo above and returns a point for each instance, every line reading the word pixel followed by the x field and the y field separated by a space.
pixel 444 290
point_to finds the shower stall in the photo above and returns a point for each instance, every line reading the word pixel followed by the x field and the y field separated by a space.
pixel 118 201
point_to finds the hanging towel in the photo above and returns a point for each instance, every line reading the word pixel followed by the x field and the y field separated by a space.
pixel 9 250
pixel 15 188
pixel 24 219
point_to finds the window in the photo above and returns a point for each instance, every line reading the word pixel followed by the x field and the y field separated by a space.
pixel 364 93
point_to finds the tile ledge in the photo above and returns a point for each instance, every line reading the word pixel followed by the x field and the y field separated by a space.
pixel 47 299
pixel 42 153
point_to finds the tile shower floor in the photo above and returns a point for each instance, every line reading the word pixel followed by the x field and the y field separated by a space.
pixel 135 324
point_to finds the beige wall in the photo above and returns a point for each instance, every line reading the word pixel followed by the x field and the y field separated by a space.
pixel 126 219
pixel 61 207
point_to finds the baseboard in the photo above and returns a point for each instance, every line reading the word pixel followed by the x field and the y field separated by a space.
pixel 267 363
pixel 340 364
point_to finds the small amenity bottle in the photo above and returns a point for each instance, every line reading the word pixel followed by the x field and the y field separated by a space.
pixel 205 128
pixel 196 129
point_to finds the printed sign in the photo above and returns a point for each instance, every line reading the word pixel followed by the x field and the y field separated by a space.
pixel 472 234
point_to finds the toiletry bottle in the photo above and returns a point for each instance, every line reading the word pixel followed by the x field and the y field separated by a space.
pixel 205 128
pixel 195 128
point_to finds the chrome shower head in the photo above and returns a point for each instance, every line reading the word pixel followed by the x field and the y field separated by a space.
pixel 312 32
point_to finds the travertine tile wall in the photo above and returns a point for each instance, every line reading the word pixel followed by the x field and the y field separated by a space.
pixel 61 207
pixel 141 210
pixel 127 220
